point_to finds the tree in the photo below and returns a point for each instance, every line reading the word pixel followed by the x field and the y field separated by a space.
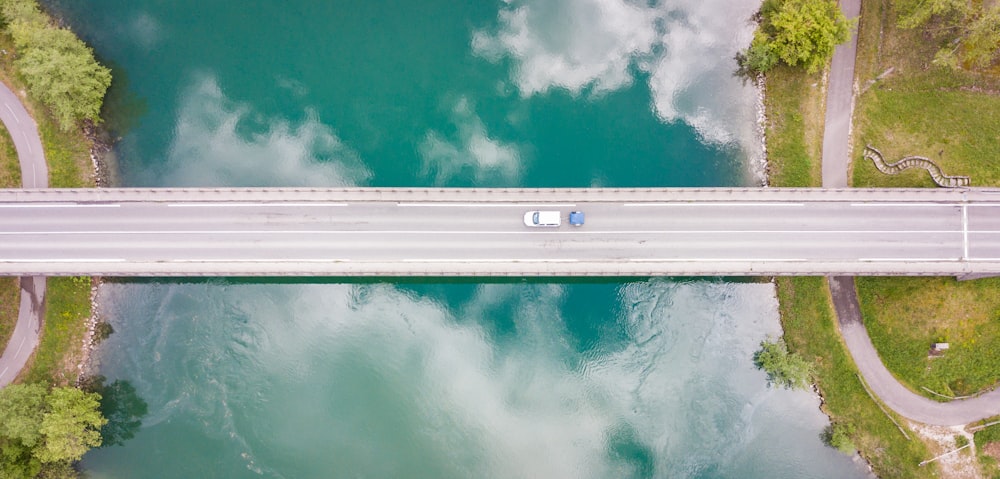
pixel 72 425
pixel 807 31
pixel 60 70
pixel 838 436
pixel 42 432
pixel 982 44
pixel 913 13
pixel 797 33
pixel 22 408
pixel 783 368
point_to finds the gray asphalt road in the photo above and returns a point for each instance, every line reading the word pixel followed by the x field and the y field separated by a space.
pixel 34 174
pixel 427 232
pixel 845 299
pixel 882 382
pixel 840 106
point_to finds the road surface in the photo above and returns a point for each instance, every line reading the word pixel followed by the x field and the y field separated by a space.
pixel 455 232
pixel 34 174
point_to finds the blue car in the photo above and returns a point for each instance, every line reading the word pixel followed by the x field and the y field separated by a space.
pixel 576 218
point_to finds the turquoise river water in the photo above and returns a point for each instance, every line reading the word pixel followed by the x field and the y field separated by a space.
pixel 440 379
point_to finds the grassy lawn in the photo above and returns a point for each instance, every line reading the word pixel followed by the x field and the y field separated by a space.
pixel 67 299
pixel 920 109
pixel 10 177
pixel 905 315
pixel 794 143
pixel 794 104
pixel 811 331
pixel 951 117
pixel 955 128
pixel 987 442
pixel 67 307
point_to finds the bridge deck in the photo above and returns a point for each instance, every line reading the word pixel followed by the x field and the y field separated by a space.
pixel 479 232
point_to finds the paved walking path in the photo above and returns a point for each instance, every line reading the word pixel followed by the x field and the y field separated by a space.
pixel 836 151
pixel 34 174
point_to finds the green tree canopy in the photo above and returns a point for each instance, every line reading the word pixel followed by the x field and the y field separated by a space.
pixel 42 432
pixel 807 31
pixel 60 70
pixel 982 44
pixel 783 368
pixel 71 426
pixel 913 13
pixel 796 32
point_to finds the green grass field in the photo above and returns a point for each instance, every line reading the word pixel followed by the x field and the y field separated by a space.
pixel 67 300
pixel 811 331
pixel 951 117
pixel 794 137
pixel 794 105
pixel 67 307
pixel 10 177
pixel 905 315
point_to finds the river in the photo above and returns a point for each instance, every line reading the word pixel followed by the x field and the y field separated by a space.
pixel 441 379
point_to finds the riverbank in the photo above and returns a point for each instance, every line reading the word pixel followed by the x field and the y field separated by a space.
pixel 68 305
pixel 794 133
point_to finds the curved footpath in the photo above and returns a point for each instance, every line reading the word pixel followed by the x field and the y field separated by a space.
pixel 34 174
pixel 836 153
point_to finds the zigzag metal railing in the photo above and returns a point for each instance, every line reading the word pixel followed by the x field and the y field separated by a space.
pixel 937 175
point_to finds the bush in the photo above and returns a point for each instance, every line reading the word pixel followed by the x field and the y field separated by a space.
pixel 783 368
pixel 102 331
pixel 60 70
pixel 796 32
pixel 838 436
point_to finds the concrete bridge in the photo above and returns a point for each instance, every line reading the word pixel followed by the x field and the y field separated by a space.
pixel 480 232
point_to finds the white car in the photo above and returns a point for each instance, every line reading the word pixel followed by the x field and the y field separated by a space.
pixel 542 218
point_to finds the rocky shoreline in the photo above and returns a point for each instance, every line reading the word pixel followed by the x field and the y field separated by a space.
pixel 100 152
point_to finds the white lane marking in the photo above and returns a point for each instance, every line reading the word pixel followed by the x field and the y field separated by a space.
pixel 714 204
pixel 877 204
pixel 11 110
pixel 4 372
pixel 988 205
pixel 91 260
pixel 466 232
pixel 489 205
pixel 34 175
pixel 57 205
pixel 27 141
pixel 19 346
pixel 490 260
pixel 965 231
pixel 262 204
pixel 716 260
pixel 918 260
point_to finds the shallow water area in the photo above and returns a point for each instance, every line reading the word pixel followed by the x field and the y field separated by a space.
pixel 438 379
